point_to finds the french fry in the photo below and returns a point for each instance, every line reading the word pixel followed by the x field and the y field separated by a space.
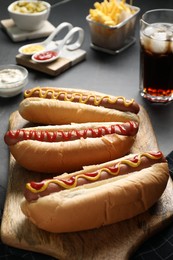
pixel 110 12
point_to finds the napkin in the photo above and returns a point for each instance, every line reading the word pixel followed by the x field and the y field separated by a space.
pixel 169 158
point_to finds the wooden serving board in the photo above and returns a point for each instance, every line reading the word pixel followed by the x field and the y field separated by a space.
pixel 116 241
pixel 67 60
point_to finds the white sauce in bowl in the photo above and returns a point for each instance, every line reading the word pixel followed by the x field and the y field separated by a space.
pixel 13 79
pixel 8 76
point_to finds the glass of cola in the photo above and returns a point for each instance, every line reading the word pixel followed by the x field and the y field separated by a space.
pixel 156 55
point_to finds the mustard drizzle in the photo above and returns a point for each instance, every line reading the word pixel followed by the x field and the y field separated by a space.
pixel 56 93
pixel 128 162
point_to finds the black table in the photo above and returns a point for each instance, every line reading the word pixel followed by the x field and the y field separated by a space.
pixel 113 74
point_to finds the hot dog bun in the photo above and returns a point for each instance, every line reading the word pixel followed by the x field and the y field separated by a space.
pixel 57 157
pixel 99 203
pixel 66 111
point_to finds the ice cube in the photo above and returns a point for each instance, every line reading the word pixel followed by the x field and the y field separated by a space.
pixel 171 45
pixel 145 40
pixel 149 31
pixel 159 46
pixel 171 28
pixel 159 35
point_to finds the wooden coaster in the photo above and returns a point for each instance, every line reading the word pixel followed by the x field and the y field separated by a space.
pixel 66 61
pixel 18 35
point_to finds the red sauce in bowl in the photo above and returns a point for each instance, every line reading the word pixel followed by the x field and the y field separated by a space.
pixel 47 55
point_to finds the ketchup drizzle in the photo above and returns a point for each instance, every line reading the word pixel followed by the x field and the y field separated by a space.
pixel 54 136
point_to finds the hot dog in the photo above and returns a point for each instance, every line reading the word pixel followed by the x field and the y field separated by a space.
pixel 53 149
pixel 98 195
pixel 64 106
pixel 85 97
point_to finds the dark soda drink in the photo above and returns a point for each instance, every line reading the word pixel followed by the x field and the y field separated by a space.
pixel 157 62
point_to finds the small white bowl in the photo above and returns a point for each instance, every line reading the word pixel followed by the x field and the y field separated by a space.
pixel 30 49
pixel 13 79
pixel 29 21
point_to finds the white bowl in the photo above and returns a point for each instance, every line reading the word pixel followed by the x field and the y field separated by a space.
pixel 29 21
pixel 13 79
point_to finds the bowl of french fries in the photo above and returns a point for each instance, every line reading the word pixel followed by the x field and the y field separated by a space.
pixel 112 25
pixel 29 15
